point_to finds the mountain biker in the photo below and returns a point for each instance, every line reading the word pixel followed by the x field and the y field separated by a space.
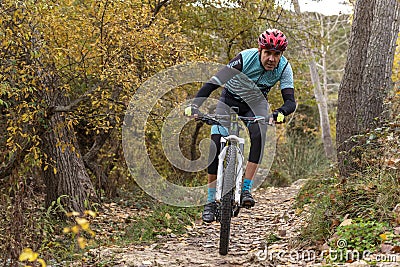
pixel 264 67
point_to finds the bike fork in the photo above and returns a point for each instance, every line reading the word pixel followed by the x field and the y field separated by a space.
pixel 239 172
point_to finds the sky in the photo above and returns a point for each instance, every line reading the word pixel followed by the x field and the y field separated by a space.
pixel 326 7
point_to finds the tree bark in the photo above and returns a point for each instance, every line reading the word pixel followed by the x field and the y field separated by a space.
pixel 320 97
pixel 323 111
pixel 66 176
pixel 367 78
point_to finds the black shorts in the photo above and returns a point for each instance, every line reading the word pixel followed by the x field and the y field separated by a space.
pixel 257 130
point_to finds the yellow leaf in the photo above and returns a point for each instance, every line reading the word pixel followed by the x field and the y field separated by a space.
pixel 167 216
pixel 74 213
pixel 91 232
pixel 81 242
pixel 55 170
pixel 42 262
pixel 91 213
pixel 83 223
pixel 75 229
pixel 298 211
pixel 383 236
pixel 28 254
pixel 66 230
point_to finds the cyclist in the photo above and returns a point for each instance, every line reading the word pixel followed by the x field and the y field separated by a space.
pixel 264 67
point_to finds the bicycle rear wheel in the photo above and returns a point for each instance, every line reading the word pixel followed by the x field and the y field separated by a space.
pixel 226 201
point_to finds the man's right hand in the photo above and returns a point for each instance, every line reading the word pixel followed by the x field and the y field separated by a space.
pixel 191 110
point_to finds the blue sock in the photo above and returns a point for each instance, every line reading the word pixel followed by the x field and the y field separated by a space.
pixel 247 185
pixel 211 194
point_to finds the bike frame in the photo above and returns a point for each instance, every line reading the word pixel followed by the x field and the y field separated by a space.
pixel 232 140
pixel 229 172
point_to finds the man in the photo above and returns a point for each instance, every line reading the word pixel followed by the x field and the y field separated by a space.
pixel 248 78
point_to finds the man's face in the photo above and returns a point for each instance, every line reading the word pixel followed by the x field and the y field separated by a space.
pixel 270 58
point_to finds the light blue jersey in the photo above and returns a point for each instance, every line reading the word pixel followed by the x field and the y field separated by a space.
pixel 254 78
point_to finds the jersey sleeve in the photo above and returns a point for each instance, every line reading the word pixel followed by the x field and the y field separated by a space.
pixel 229 71
pixel 286 80
pixel 225 74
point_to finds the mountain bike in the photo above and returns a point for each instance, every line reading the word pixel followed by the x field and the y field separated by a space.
pixel 230 170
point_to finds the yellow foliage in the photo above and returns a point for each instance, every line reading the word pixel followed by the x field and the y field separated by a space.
pixel 99 50
pixel 42 262
pixel 383 236
pixel 83 223
pixel 75 229
pixel 82 242
pixel 396 79
pixel 396 63
pixel 91 213
pixel 73 213
pixel 28 255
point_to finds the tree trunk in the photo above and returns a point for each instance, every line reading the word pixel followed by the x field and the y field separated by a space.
pixel 320 97
pixel 66 176
pixel 323 111
pixel 367 78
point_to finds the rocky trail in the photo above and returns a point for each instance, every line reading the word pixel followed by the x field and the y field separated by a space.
pixel 273 217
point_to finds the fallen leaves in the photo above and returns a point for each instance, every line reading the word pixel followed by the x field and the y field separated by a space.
pixel 274 214
pixel 346 222
pixel 393 163
pixel 28 254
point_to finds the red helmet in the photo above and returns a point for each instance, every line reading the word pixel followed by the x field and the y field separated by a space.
pixel 272 39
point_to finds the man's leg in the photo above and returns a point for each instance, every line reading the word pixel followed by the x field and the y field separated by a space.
pixel 247 198
pixel 257 137
pixel 251 169
pixel 212 178
pixel 211 207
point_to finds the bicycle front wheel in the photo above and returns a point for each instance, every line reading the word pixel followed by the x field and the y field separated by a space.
pixel 226 200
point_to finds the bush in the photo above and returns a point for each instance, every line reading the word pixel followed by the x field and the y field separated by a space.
pixel 370 193
pixel 300 152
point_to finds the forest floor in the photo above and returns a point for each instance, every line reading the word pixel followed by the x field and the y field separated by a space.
pixel 262 236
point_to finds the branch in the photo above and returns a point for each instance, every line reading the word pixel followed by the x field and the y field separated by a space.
pixel 339 70
pixel 70 107
pixel 24 146
pixel 156 10
pixel 102 138
pixel 14 160
pixel 97 145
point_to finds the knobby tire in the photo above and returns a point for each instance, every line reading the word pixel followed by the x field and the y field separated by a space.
pixel 226 201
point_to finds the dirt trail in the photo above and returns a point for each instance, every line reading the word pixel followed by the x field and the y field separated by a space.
pixel 273 215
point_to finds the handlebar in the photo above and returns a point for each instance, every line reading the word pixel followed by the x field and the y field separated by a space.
pixel 215 119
